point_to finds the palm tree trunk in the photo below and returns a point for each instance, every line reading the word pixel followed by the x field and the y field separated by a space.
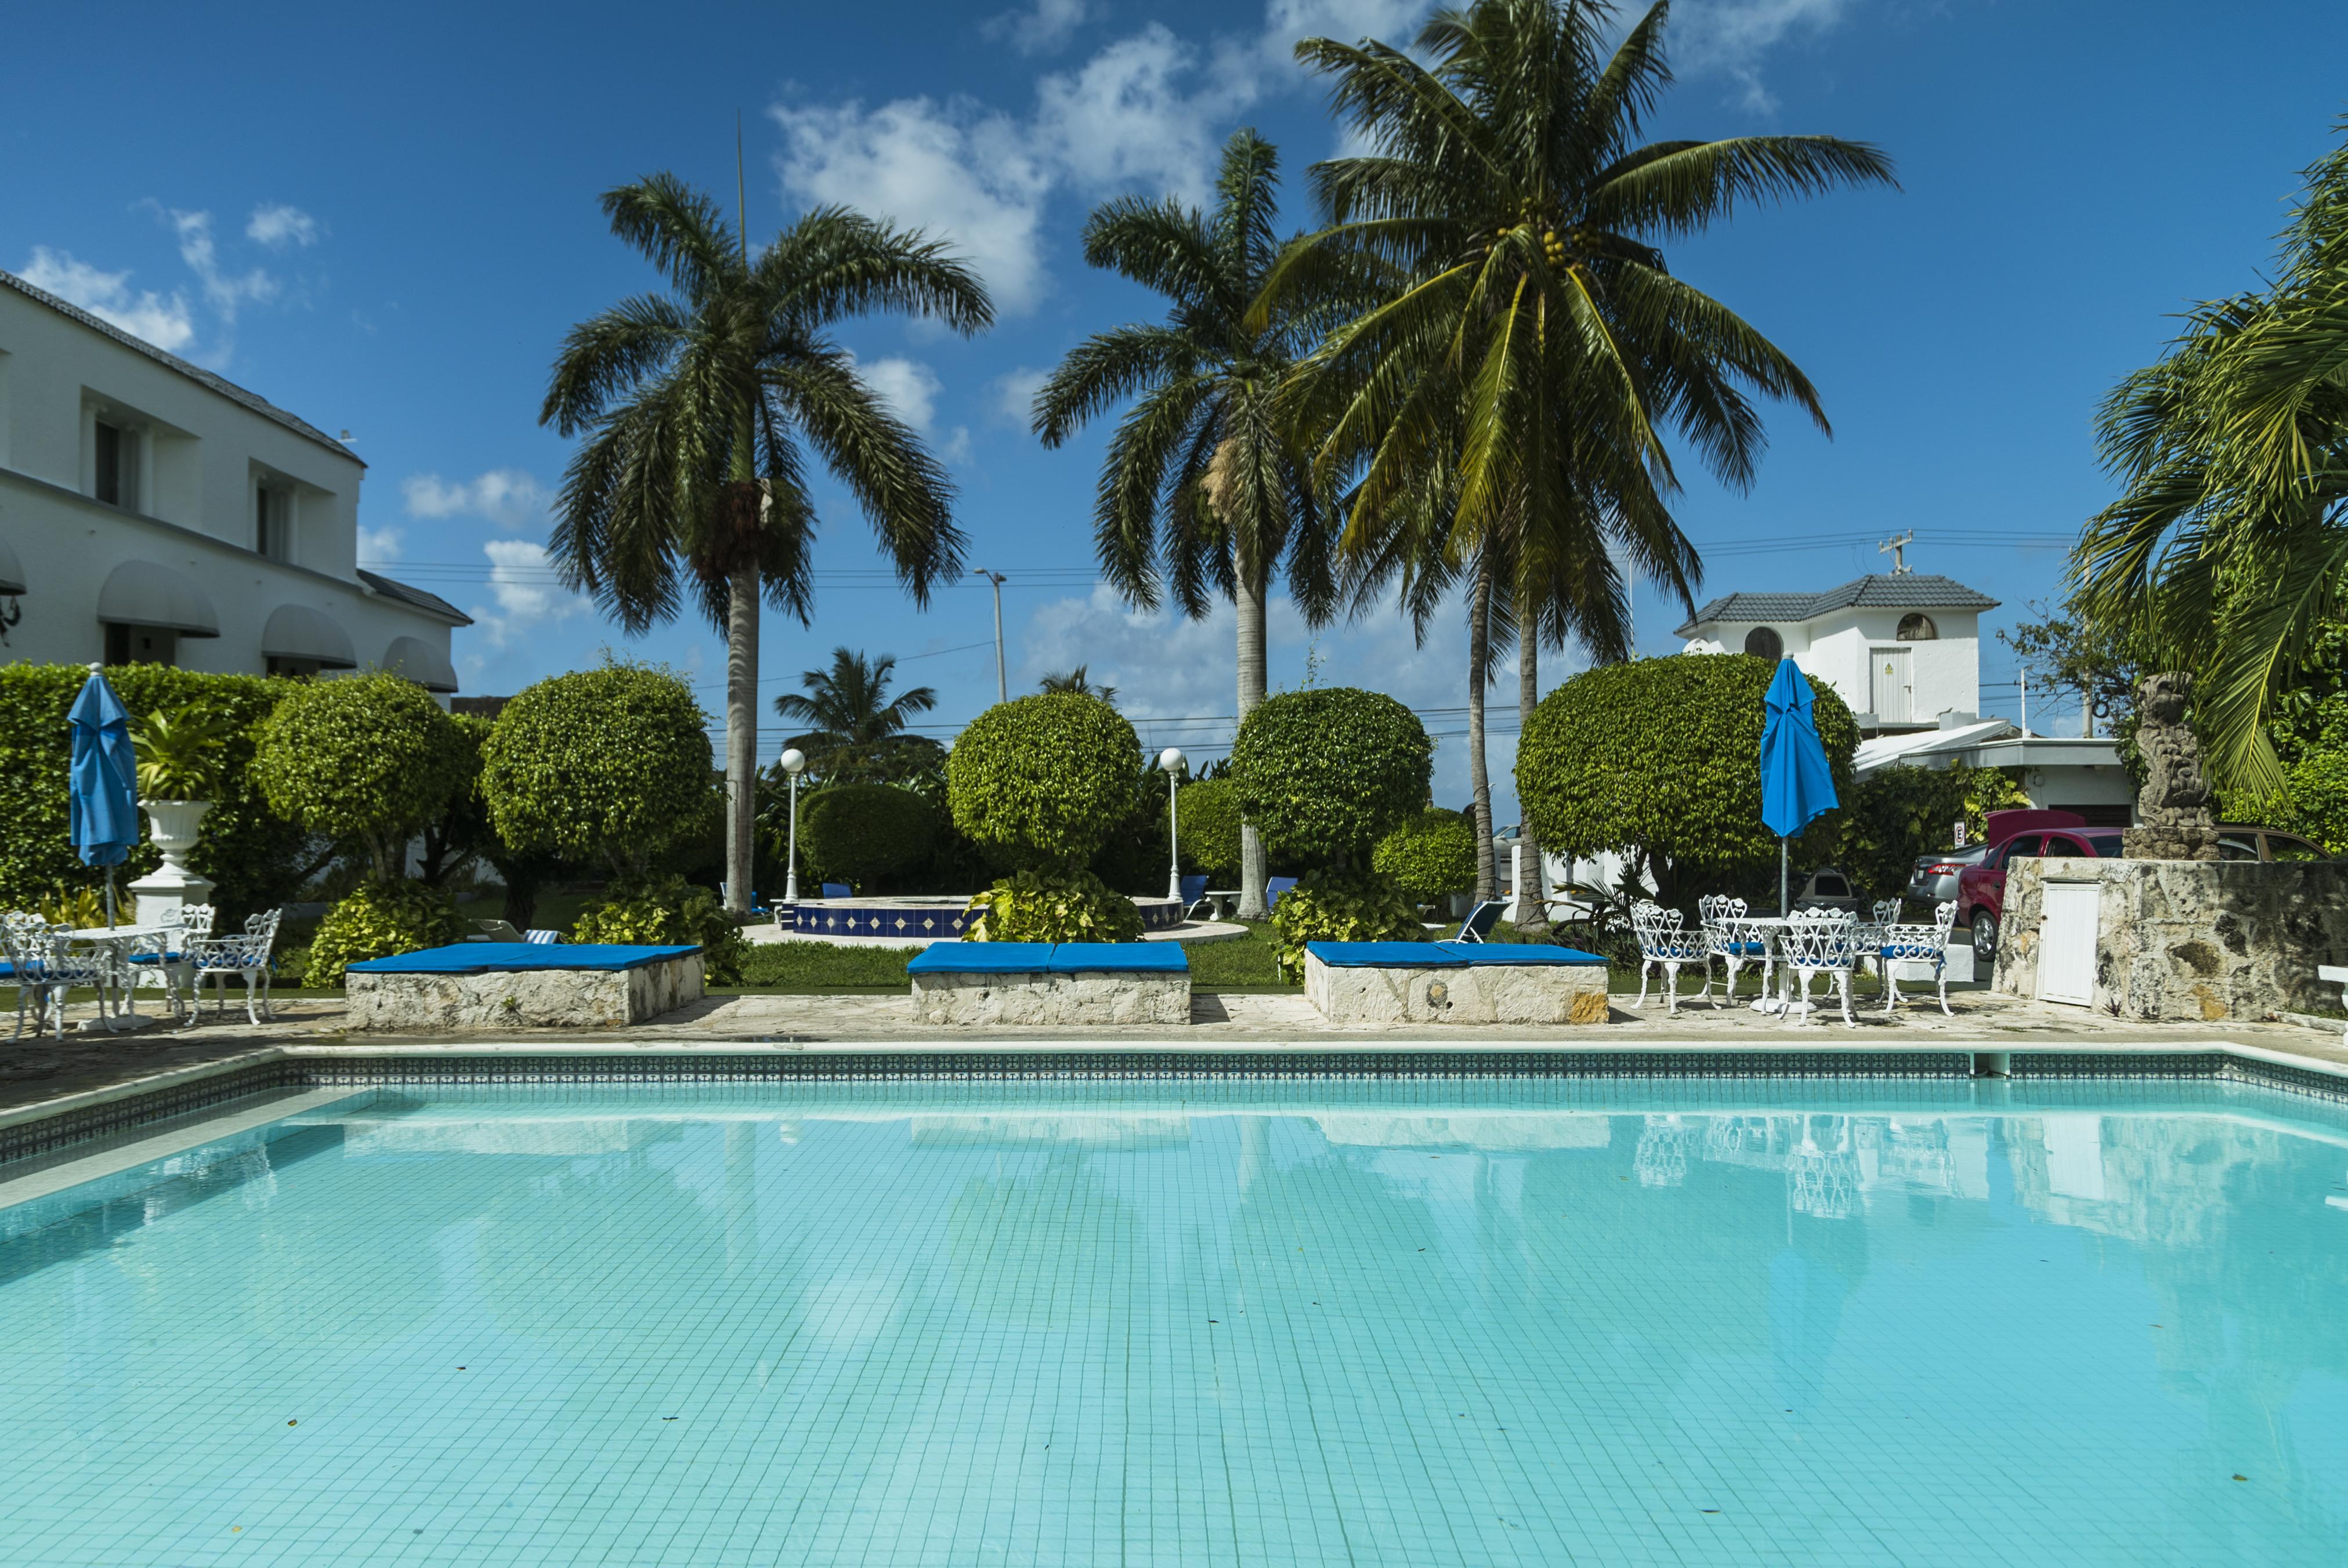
pixel 1480 674
pixel 1255 868
pixel 1532 915
pixel 741 733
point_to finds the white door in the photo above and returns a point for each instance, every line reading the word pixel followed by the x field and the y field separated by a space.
pixel 2067 944
pixel 1894 687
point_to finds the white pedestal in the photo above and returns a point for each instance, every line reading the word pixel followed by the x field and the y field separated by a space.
pixel 172 824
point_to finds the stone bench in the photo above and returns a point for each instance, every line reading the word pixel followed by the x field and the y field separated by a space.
pixel 1020 983
pixel 1454 983
pixel 522 985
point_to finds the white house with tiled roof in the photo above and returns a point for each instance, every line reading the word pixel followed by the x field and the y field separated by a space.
pixel 1903 650
pixel 151 512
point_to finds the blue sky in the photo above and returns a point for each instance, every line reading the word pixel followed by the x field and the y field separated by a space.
pixel 385 220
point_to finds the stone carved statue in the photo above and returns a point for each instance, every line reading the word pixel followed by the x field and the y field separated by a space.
pixel 2175 800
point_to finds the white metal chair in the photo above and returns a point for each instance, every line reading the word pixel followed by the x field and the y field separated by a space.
pixel 1819 942
pixel 1664 941
pixel 1918 944
pixel 45 964
pixel 1730 938
pixel 245 956
pixel 163 962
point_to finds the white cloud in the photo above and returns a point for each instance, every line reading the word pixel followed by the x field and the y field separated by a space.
pixel 506 497
pixel 163 320
pixel 223 291
pixel 527 593
pixel 1038 29
pixel 277 226
pixel 1014 394
pixel 379 545
pixel 907 386
pixel 1124 119
pixel 1731 36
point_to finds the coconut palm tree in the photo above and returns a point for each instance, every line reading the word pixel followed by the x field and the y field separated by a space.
pixel 1203 494
pixel 1540 344
pixel 855 730
pixel 1075 681
pixel 699 406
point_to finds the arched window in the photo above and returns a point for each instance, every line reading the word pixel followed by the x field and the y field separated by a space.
pixel 1917 629
pixel 1763 642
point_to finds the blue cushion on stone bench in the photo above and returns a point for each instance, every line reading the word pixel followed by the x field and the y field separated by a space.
pixel 512 957
pixel 1118 957
pixel 982 958
pixel 1492 955
pixel 1386 955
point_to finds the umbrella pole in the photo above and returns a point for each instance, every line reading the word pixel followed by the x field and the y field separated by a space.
pixel 110 897
pixel 1785 885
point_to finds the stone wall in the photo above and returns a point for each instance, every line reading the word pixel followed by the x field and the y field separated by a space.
pixel 1090 998
pixel 530 999
pixel 2199 940
pixel 1477 994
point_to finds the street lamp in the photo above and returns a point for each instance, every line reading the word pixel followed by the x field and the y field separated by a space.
pixel 1171 760
pixel 794 763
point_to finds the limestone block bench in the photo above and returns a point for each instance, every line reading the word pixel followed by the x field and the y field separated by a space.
pixel 1454 982
pixel 508 985
pixel 1051 983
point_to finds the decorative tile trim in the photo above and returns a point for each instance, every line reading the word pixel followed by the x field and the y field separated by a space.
pixel 2290 1080
pixel 2118 1064
pixel 47 1135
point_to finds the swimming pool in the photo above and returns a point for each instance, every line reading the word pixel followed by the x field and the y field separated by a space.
pixel 1325 1321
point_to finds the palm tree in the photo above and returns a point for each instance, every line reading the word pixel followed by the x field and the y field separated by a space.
pixel 1075 681
pixel 855 730
pixel 696 405
pixel 1203 494
pixel 1538 345
pixel 2228 555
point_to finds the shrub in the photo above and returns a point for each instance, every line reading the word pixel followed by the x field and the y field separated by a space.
pixel 1052 906
pixel 179 753
pixel 365 761
pixel 1041 782
pixel 1325 773
pixel 1330 905
pixel 1898 814
pixel 1660 759
pixel 666 912
pixel 612 764
pixel 861 833
pixel 1431 855
pixel 378 919
pixel 1208 811
pixel 255 857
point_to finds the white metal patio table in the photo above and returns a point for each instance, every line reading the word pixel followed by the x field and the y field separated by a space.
pixel 1771 929
pixel 119 940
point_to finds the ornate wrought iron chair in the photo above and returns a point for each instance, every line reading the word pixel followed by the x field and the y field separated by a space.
pixel 1728 937
pixel 246 956
pixel 164 962
pixel 1918 944
pixel 45 963
pixel 1819 942
pixel 1664 940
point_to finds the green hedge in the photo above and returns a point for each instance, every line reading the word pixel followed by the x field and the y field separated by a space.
pixel 1325 773
pixel 1330 905
pixel 863 832
pixel 257 858
pixel 1429 855
pixel 612 763
pixel 663 912
pixel 1041 782
pixel 378 921
pixel 1052 906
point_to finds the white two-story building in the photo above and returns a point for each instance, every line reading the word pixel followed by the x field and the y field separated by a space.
pixel 152 512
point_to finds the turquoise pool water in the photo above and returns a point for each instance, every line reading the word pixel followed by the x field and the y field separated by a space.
pixel 1530 1322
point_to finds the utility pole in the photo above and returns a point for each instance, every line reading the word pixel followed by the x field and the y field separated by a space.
pixel 2025 702
pixel 1002 688
pixel 1895 548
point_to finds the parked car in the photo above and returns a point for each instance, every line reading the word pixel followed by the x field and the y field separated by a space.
pixel 1825 889
pixel 2265 844
pixel 1934 880
pixel 1980 889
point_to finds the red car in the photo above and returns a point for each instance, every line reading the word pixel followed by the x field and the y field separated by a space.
pixel 1980 889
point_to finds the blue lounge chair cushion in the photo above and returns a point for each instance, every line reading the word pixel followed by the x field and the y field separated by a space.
pixel 156 957
pixel 1118 957
pixel 1492 955
pixel 1386 955
pixel 1911 951
pixel 838 890
pixel 982 958
pixel 509 958
pixel 1274 887
pixel 8 972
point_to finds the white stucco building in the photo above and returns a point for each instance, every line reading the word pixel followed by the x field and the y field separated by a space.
pixel 1901 649
pixel 152 512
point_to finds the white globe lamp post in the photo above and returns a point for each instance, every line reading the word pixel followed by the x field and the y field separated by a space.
pixel 1172 762
pixel 794 763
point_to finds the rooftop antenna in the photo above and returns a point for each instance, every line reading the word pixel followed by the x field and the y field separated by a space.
pixel 1896 546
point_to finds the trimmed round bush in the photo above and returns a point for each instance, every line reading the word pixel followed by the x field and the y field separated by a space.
pixel 666 912
pixel 1429 855
pixel 1052 906
pixel 1325 774
pixel 1040 782
pixel 366 759
pixel 377 920
pixel 1664 756
pixel 1330 905
pixel 860 833
pixel 610 763
pixel 1208 812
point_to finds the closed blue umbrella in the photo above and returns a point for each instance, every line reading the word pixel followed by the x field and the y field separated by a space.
pixel 102 794
pixel 1796 781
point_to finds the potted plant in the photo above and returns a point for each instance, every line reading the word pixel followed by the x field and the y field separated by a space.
pixel 179 756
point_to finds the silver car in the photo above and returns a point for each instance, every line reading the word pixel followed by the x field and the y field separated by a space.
pixel 1934 880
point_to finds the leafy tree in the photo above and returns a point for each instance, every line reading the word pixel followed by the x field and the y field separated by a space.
pixel 1202 495
pixel 2063 650
pixel 1431 855
pixel 2227 552
pixel 860 833
pixel 1659 759
pixel 1208 811
pixel 1075 681
pixel 857 734
pixel 608 764
pixel 1900 812
pixel 695 407
pixel 1325 774
pixel 1040 782
pixel 365 761
pixel 1535 345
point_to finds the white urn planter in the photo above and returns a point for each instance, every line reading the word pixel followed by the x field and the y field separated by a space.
pixel 173 825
